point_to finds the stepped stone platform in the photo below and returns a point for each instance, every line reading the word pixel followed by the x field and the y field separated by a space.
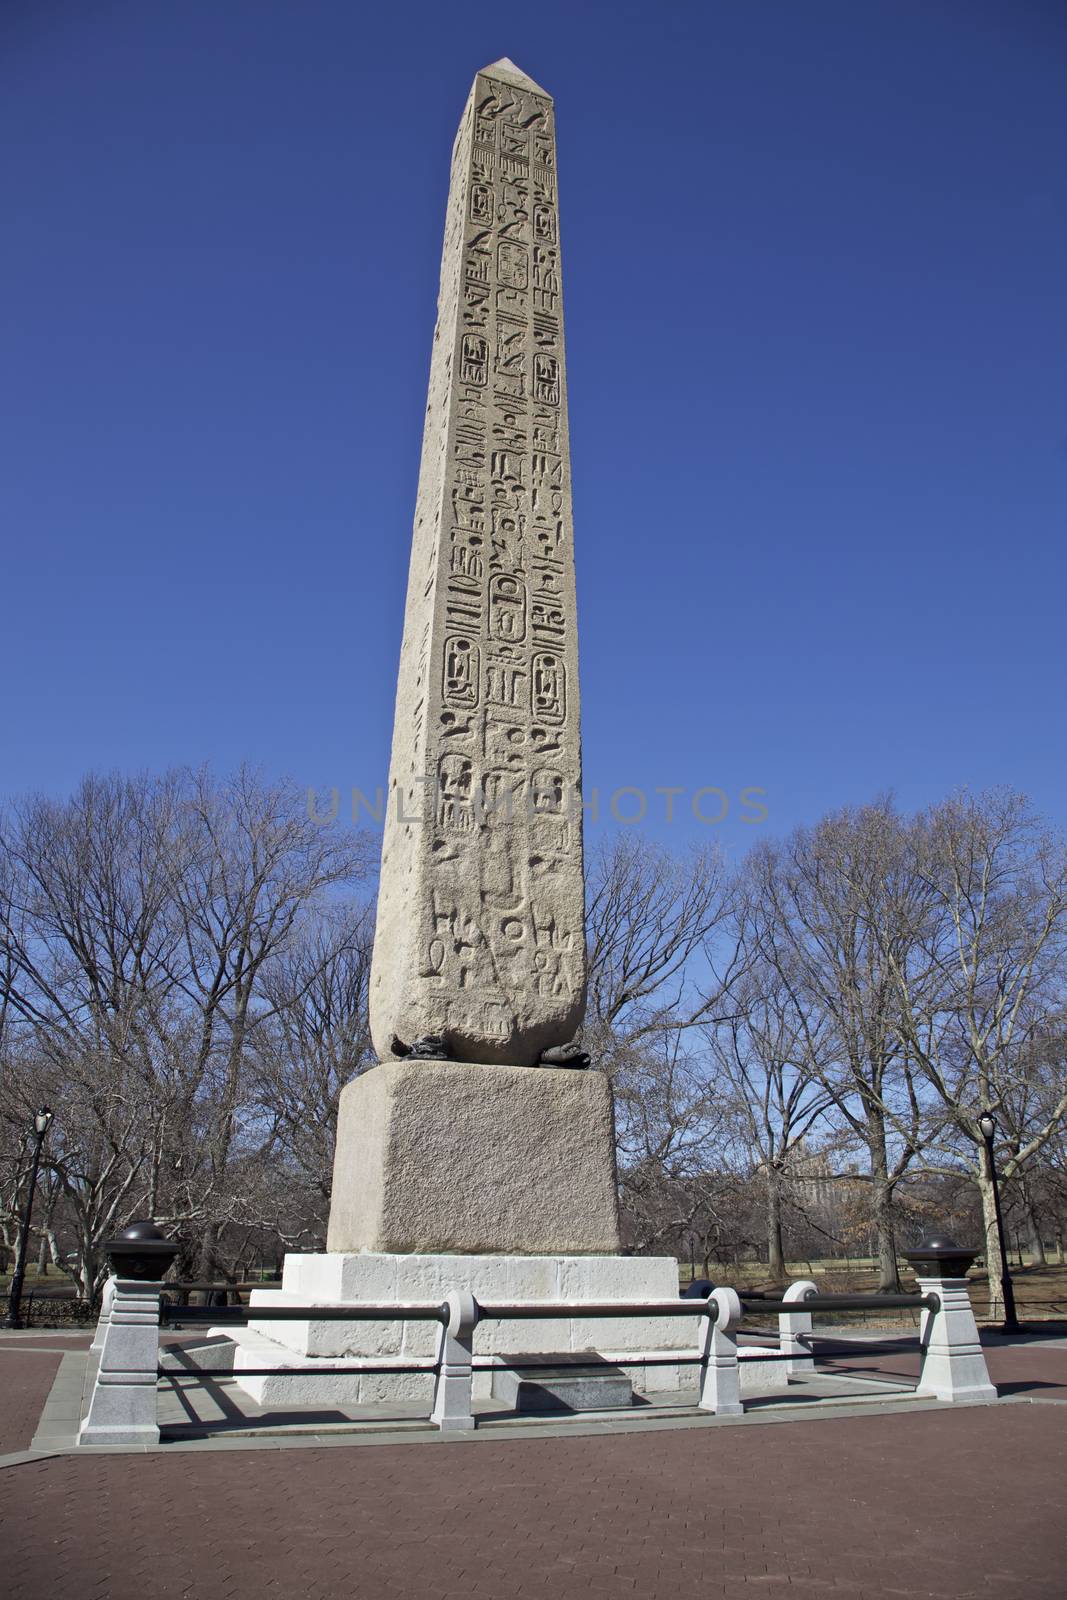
pixel 338 1352
pixel 377 1278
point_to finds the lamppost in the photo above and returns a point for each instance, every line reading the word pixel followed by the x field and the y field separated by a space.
pixel 41 1124
pixel 988 1126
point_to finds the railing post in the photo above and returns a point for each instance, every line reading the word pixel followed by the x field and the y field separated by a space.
pixel 452 1393
pixel 720 1387
pixel 953 1364
pixel 122 1407
pixel 792 1330
pixel 106 1297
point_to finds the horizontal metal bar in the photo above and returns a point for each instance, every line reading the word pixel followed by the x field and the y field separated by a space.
pixel 844 1302
pixel 430 1371
pixel 171 1316
pixel 287 1372
pixel 769 1353
pixel 497 1312
pixel 861 1347
pixel 542 1310
pixel 184 1286
pixel 636 1360
pixel 239 1315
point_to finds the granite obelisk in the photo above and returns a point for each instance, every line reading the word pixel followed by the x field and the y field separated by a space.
pixel 478 1156
pixel 473 1133
pixel 480 911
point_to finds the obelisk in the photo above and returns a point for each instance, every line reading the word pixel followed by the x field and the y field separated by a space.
pixel 471 1135
pixel 480 909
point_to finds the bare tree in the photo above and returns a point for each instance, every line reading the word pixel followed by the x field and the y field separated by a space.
pixel 769 1056
pixel 253 863
pixel 87 946
pixel 136 922
pixel 317 1039
pixel 651 919
pixel 838 913
pixel 981 999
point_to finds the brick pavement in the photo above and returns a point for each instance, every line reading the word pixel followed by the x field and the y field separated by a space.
pixel 939 1504
pixel 950 1505
pixel 1029 1370
pixel 25 1379
pixel 1035 1370
pixel 46 1341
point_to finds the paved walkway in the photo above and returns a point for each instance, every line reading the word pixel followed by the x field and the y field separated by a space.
pixel 25 1380
pixel 945 1503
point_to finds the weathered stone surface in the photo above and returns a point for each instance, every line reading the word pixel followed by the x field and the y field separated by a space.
pixel 480 910
pixel 370 1278
pixel 565 1386
pixel 445 1156
pixel 383 1279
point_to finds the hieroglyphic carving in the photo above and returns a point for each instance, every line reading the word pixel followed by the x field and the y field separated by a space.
pixel 512 264
pixel 480 932
pixel 475 359
pixel 482 206
pixel 461 684
pixel 507 607
pixel 549 687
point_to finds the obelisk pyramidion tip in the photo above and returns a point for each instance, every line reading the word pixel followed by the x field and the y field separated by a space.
pixel 508 72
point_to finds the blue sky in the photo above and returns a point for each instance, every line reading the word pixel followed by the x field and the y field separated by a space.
pixel 814 258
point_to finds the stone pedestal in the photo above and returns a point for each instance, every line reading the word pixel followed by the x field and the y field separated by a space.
pixel 437 1156
pixel 122 1409
pixel 379 1278
pixel 953 1366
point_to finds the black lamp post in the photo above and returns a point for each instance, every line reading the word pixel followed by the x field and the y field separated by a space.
pixel 988 1127
pixel 41 1124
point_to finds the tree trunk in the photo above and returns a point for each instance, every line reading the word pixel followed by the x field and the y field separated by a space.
pixel 882 1208
pixel 775 1247
pixel 992 1240
pixel 1034 1242
pixel 208 1266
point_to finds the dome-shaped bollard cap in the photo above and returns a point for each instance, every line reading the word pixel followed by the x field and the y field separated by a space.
pixel 939 1256
pixel 141 1230
pixel 141 1251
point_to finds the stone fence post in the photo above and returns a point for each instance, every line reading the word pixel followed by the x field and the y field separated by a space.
pixel 122 1407
pixel 793 1329
pixel 455 1360
pixel 106 1297
pixel 720 1389
pixel 953 1364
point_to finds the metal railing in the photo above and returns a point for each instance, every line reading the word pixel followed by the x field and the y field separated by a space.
pixel 122 1407
pixel 791 1349
pixel 453 1365
pixel 518 1311
pixel 843 1302
pixel 240 1316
